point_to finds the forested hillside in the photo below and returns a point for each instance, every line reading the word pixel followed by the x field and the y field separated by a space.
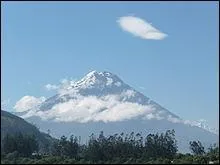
pixel 11 125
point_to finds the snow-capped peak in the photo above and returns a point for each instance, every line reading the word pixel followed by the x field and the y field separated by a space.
pixel 96 74
pixel 91 73
pixel 103 97
pixel 96 79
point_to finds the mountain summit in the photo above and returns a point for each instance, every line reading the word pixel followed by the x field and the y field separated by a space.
pixel 100 93
pixel 97 82
pixel 96 79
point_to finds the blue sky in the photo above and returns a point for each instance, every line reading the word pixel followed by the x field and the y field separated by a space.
pixel 44 42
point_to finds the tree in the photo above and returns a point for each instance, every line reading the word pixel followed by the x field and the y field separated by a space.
pixel 73 146
pixel 170 144
pixel 9 144
pixel 213 152
pixel 25 145
pixel 196 147
pixel 63 146
pixel 163 145
pixel 56 149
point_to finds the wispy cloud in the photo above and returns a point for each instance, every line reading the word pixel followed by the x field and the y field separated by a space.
pixel 64 85
pixel 141 28
pixel 28 102
pixel 5 103
pixel 50 87
pixel 174 119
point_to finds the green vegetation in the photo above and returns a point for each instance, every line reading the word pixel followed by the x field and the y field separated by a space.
pixel 14 125
pixel 197 148
pixel 118 148
pixel 22 145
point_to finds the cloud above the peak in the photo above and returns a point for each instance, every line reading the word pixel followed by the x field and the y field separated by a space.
pixel 50 87
pixel 63 86
pixel 140 28
pixel 28 102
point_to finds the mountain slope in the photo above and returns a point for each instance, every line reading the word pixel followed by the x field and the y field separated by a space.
pixel 102 101
pixel 11 124
pixel 103 89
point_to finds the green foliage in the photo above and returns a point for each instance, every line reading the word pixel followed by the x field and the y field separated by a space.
pixel 197 148
pixel 115 149
pixel 11 125
pixel 66 148
pixel 213 152
pixel 22 145
pixel 163 145
pixel 131 146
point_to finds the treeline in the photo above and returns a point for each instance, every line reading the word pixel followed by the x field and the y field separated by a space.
pixel 23 144
pixel 118 148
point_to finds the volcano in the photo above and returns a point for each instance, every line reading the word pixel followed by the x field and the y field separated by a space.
pixel 101 101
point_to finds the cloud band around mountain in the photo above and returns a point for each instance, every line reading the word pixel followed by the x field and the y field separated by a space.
pixel 82 109
pixel 91 108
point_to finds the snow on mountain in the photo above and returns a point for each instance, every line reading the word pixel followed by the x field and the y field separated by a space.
pixel 203 124
pixel 102 101
pixel 100 96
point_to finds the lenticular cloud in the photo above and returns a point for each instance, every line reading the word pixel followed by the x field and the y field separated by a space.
pixel 139 27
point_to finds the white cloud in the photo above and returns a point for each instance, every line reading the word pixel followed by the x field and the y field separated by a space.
pixel 63 87
pixel 120 112
pixel 156 115
pixel 28 102
pixel 84 109
pixel 198 123
pixel 174 119
pixel 50 87
pixel 149 116
pixel 141 28
pixel 107 108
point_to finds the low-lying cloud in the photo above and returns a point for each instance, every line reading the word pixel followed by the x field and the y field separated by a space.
pixel 28 102
pixel 140 28
pixel 109 108
pixel 91 108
